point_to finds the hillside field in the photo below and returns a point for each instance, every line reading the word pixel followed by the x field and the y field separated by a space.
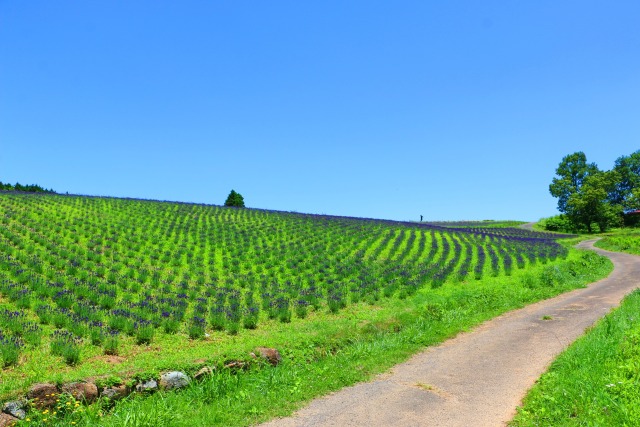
pixel 118 287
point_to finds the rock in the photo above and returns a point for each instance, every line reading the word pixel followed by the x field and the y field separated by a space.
pixel 271 355
pixel 203 373
pixel 7 420
pixel 235 364
pixel 174 379
pixel 43 395
pixel 82 391
pixel 15 408
pixel 147 386
pixel 115 392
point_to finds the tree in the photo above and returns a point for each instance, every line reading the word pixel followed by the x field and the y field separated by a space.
pixel 235 200
pixel 591 204
pixel 571 173
pixel 628 169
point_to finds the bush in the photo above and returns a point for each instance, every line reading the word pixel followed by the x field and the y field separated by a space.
pixel 558 223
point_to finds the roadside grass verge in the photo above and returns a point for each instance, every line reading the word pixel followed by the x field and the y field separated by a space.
pixel 622 241
pixel 596 381
pixel 341 351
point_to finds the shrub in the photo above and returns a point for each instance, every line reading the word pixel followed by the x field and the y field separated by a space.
pixel 10 348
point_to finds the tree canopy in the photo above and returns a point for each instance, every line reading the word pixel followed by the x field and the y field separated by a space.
pixel 627 187
pixel 30 188
pixel 588 196
pixel 571 173
pixel 234 200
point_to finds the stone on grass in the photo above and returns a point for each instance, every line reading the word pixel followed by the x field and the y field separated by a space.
pixel 7 420
pixel 203 373
pixel 43 395
pixel 82 391
pixel 174 379
pixel 15 408
pixel 115 392
pixel 147 386
pixel 271 355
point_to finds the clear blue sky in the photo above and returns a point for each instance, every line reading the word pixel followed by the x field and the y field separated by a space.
pixel 452 110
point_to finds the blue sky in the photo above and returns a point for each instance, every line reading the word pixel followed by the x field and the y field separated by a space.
pixel 451 110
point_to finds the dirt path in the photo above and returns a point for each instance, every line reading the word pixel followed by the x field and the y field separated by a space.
pixel 479 377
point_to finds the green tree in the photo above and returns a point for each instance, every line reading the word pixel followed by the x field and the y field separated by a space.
pixel 235 200
pixel 591 203
pixel 571 173
pixel 628 169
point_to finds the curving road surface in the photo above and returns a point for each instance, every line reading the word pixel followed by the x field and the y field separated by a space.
pixel 477 378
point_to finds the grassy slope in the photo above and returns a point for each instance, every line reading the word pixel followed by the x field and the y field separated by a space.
pixel 623 241
pixel 343 355
pixel 596 381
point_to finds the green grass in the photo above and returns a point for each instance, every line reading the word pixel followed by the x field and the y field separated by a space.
pixel 596 381
pixel 344 350
pixel 154 272
pixel 341 298
pixel 622 241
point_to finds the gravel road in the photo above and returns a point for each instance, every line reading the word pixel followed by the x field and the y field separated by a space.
pixel 479 377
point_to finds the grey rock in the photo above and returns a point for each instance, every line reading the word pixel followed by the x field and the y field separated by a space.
pixel 15 408
pixel 174 379
pixel 147 386
pixel 116 392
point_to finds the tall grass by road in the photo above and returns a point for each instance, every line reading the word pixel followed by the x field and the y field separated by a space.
pixel 596 381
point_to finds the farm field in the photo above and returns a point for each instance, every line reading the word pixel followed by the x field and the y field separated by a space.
pixel 98 286
pixel 477 224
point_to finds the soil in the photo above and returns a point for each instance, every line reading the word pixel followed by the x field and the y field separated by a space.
pixel 477 378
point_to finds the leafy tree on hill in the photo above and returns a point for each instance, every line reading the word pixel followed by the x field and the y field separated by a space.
pixel 571 173
pixel 591 203
pixel 234 200
pixel 589 196
pixel 628 169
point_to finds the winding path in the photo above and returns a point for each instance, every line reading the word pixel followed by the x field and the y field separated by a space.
pixel 477 378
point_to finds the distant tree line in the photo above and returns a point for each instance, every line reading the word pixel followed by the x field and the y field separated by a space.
pixel 589 197
pixel 30 188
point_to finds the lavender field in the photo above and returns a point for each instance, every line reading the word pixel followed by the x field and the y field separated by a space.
pixel 79 271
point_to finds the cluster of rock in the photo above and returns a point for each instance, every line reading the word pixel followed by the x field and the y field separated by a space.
pixel 43 396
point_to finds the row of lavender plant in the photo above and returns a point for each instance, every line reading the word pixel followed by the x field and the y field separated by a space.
pixel 81 271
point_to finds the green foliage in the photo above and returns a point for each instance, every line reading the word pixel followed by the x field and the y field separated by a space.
pixel 10 349
pixel 558 223
pixel 595 381
pixel 591 204
pixel 67 345
pixel 571 173
pixel 268 278
pixel 628 242
pixel 627 189
pixel 588 196
pixel 327 357
pixel 234 200
pixel 31 188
